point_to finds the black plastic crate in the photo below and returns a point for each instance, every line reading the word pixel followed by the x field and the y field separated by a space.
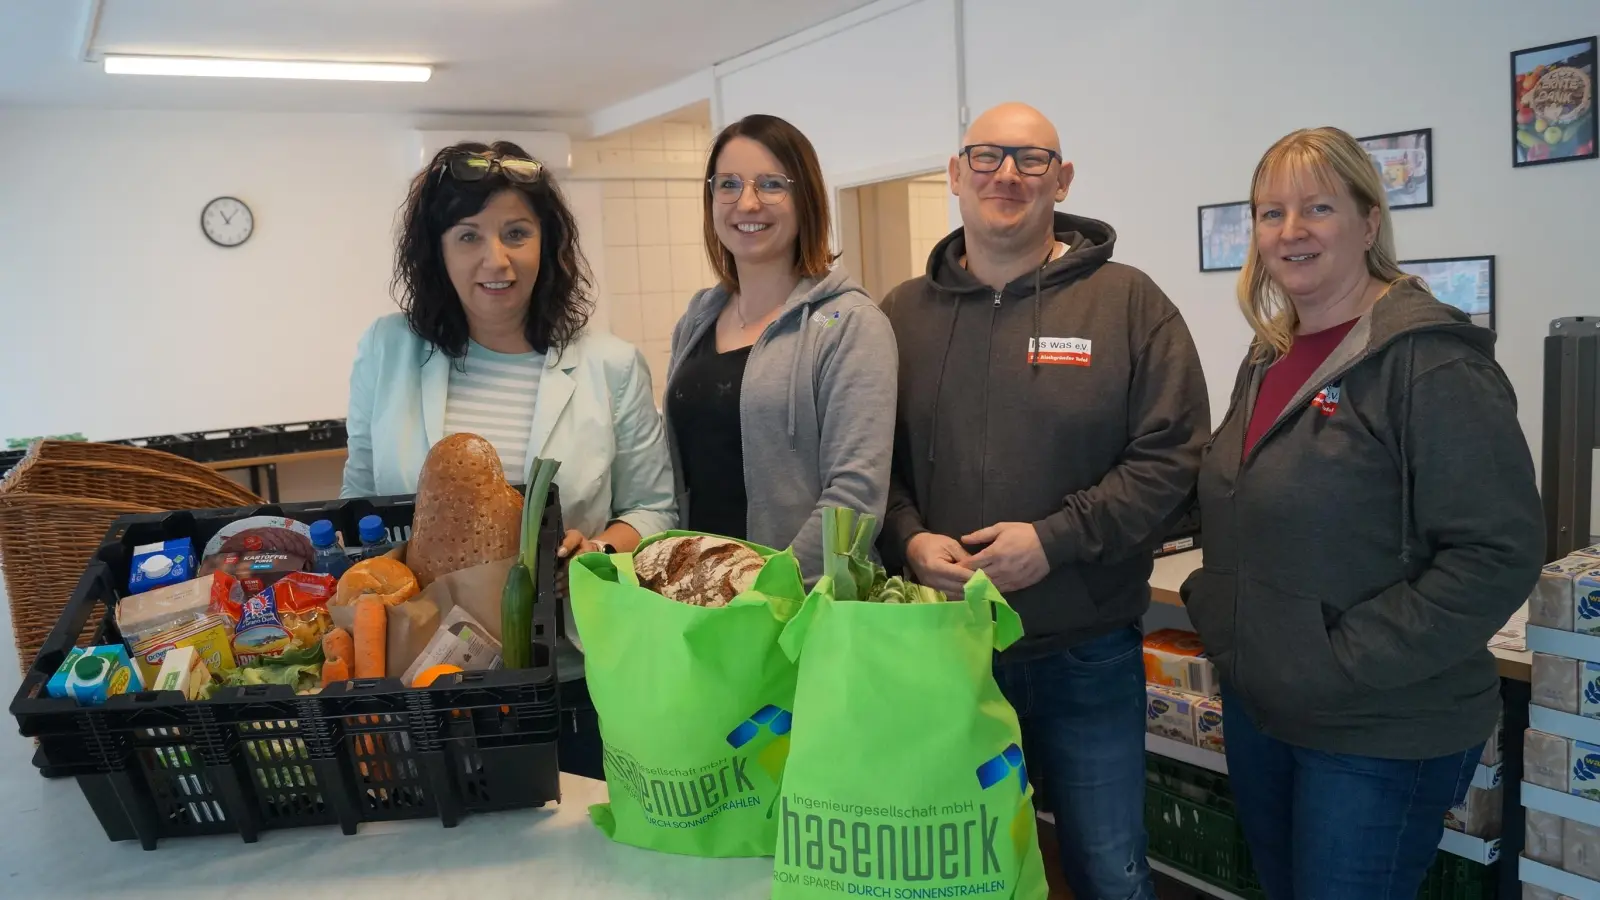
pixel 184 445
pixel 305 437
pixel 237 443
pixel 153 765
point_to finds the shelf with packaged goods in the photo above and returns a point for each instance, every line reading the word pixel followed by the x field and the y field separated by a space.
pixel 1564 883
pixel 1564 643
pixel 1479 850
pixel 1185 753
pixel 1560 803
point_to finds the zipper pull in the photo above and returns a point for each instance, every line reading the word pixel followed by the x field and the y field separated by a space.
pixel 997 295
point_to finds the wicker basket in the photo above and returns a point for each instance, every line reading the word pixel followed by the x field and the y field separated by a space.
pixel 56 506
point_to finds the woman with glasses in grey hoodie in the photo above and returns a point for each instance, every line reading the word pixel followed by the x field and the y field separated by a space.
pixel 780 395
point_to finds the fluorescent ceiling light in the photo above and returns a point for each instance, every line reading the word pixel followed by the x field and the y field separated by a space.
pixel 263 68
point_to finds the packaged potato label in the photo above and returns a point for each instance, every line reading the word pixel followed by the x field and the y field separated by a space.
pixel 1169 714
pixel 1542 837
pixel 1552 602
pixel 1585 780
pixel 1546 759
pixel 1555 683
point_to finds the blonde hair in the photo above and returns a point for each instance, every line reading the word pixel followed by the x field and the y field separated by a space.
pixel 1335 160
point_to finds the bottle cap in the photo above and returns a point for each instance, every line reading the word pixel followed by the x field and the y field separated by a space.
pixel 322 533
pixel 157 566
pixel 89 667
pixel 371 529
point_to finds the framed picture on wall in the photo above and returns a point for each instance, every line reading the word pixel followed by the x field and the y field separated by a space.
pixel 1405 165
pixel 1224 236
pixel 1465 282
pixel 1553 103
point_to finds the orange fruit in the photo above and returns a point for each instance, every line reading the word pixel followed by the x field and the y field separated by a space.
pixel 427 676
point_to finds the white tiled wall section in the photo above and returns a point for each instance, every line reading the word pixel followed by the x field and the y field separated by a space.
pixel 930 219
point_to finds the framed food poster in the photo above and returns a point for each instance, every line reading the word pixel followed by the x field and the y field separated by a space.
pixel 1553 103
pixel 1465 282
pixel 1405 165
pixel 1224 236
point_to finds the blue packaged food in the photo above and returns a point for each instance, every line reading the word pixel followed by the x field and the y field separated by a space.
pixel 158 565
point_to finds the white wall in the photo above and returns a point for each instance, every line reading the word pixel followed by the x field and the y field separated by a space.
pixel 1165 106
pixel 1185 117
pixel 119 319
pixel 879 97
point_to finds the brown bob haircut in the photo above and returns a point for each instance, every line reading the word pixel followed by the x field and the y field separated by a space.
pixel 808 194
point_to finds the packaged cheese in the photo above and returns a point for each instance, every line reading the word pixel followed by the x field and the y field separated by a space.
pixel 1176 659
pixel 184 671
pixel 1545 760
pixel 1208 724
pixel 1553 601
pixel 1479 814
pixel 1585 775
pixel 178 615
pixel 1169 713
pixel 1542 837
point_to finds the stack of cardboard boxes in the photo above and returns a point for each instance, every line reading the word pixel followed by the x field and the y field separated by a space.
pixel 1181 690
pixel 1566 599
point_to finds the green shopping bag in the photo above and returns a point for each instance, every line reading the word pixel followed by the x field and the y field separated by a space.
pixel 905 775
pixel 694 705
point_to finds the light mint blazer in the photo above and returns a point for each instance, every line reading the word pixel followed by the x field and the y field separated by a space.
pixel 595 412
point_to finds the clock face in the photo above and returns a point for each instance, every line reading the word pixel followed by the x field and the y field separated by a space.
pixel 227 222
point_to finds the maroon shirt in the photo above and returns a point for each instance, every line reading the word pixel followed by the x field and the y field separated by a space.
pixel 1287 376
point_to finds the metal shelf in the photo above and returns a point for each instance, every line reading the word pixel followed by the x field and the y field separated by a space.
pixel 1194 756
pixel 1564 883
pixel 1466 846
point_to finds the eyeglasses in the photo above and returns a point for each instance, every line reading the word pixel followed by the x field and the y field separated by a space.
pixel 770 188
pixel 990 157
pixel 478 166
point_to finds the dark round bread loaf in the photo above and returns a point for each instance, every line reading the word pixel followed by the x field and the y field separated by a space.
pixel 698 570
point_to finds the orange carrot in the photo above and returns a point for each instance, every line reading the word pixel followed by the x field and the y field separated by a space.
pixel 371 637
pixel 335 670
pixel 338 649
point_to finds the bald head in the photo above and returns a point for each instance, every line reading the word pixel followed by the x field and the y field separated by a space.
pixel 1013 125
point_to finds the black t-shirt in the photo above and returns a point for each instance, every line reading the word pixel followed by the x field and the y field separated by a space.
pixel 704 405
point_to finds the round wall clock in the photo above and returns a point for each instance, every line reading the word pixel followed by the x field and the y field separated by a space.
pixel 227 221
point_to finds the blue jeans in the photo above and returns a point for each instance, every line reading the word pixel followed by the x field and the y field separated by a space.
pixel 1332 826
pixel 1082 713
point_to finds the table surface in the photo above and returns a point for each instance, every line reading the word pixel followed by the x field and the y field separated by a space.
pixel 277 459
pixel 1170 572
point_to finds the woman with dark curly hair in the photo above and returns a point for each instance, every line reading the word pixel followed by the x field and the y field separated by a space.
pixel 491 340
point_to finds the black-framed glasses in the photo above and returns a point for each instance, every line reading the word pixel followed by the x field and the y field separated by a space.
pixel 990 157
pixel 478 166
pixel 770 187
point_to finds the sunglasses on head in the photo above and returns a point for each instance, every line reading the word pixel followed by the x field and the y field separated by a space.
pixel 478 166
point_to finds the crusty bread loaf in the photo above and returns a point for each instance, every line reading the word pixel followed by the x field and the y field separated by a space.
pixel 698 570
pixel 466 513
pixel 383 577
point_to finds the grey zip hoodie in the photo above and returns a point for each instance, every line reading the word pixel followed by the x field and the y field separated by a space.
pixel 1358 560
pixel 1095 441
pixel 816 409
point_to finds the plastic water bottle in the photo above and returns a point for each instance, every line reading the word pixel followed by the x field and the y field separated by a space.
pixel 330 558
pixel 374 538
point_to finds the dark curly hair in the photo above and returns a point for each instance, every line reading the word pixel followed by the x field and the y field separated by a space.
pixel 561 301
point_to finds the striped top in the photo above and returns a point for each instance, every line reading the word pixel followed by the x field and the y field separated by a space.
pixel 494 399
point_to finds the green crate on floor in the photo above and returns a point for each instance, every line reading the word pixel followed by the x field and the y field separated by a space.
pixel 1199 840
pixel 1200 785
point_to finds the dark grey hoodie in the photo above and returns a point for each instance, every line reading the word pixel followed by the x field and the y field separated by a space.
pixel 1360 557
pixel 1096 440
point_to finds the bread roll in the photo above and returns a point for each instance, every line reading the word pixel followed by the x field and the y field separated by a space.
pixel 698 570
pixel 466 513
pixel 390 580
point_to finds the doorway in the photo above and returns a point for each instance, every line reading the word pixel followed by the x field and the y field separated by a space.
pixel 888 228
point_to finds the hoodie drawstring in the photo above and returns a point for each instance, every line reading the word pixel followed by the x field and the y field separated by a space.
pixel 1038 277
pixel 944 361
pixel 1405 461
pixel 794 371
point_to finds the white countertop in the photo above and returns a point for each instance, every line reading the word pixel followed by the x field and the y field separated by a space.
pixel 52 840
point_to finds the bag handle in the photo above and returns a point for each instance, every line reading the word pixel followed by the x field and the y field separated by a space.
pixel 793 638
pixel 986 603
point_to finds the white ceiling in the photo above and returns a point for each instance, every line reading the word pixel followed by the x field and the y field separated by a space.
pixel 494 57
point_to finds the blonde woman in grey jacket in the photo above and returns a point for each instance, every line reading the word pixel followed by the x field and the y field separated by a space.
pixel 780 394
